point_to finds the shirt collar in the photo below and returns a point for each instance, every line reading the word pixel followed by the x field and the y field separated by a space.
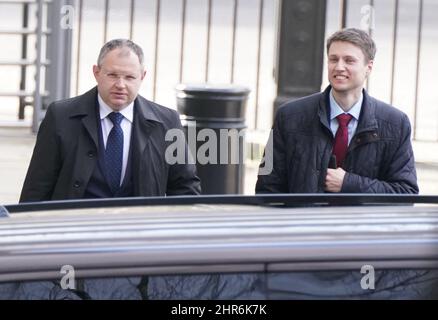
pixel 105 110
pixel 336 110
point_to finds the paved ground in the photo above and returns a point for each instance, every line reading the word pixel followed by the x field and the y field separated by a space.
pixel 16 145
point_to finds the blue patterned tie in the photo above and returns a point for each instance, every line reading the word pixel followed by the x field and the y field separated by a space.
pixel 114 152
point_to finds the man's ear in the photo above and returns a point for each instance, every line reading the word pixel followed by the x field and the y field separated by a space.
pixel 370 65
pixel 96 71
pixel 143 75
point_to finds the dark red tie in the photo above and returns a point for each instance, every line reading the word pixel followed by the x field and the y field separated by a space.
pixel 341 138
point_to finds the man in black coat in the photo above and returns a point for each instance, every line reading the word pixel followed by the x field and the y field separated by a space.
pixel 82 152
pixel 340 140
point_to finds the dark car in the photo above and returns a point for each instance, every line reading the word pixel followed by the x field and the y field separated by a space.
pixel 229 247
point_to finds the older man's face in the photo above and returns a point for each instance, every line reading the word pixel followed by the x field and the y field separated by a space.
pixel 119 78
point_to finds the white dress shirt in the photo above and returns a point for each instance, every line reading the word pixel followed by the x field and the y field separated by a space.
pixel 126 125
pixel 336 110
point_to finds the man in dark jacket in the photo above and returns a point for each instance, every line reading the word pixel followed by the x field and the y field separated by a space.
pixel 108 142
pixel 340 140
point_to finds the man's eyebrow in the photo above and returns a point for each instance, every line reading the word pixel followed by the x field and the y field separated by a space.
pixel 347 56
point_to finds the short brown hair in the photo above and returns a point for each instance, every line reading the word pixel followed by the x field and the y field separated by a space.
pixel 357 37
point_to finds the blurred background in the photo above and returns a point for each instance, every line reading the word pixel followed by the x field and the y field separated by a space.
pixel 273 47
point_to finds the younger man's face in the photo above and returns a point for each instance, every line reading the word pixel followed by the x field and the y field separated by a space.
pixel 348 67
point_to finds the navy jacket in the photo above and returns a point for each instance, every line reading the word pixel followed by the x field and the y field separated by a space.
pixel 65 153
pixel 379 158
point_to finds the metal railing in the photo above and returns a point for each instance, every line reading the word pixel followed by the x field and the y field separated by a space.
pixel 400 15
pixel 23 94
pixel 158 19
pixel 50 56
pixel 191 53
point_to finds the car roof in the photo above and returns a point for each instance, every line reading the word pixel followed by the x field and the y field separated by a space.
pixel 206 238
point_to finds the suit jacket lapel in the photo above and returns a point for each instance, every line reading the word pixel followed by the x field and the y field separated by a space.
pixel 87 108
pixel 324 109
pixel 89 123
pixel 145 121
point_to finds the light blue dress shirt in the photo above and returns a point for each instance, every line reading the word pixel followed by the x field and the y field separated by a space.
pixel 336 110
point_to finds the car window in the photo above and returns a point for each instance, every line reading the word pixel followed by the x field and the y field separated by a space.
pixel 337 284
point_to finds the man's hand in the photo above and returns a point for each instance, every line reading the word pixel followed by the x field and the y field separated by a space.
pixel 334 180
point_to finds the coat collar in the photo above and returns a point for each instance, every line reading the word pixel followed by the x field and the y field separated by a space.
pixel 86 104
pixel 367 118
pixel 87 108
pixel 90 99
pixel 145 111
pixel 145 120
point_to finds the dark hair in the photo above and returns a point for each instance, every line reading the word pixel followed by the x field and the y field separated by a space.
pixel 120 43
pixel 357 37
